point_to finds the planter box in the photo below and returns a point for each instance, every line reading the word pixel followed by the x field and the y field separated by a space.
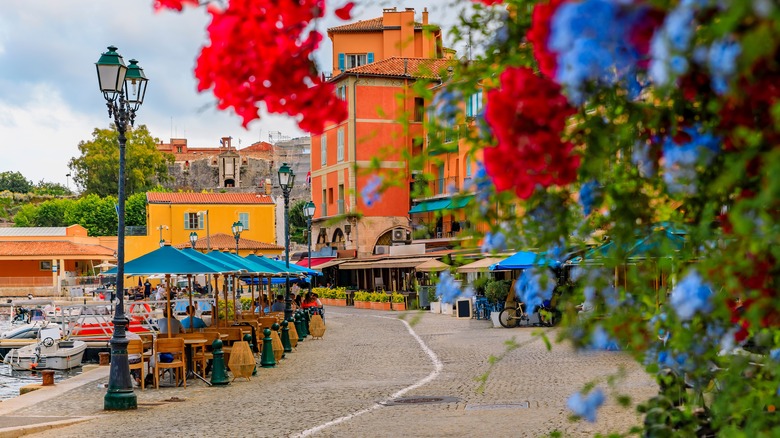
pixel 380 306
pixel 326 301
pixel 338 302
pixel 436 307
pixel 494 318
pixel 399 306
pixel 446 309
pixel 362 304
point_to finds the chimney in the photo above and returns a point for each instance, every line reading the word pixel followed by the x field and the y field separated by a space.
pixel 268 186
pixel 425 16
pixel 225 142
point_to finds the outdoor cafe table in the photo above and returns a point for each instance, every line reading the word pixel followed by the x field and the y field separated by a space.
pixel 189 344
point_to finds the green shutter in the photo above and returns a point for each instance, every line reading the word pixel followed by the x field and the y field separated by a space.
pixel 341 61
pixel 186 221
pixel 200 221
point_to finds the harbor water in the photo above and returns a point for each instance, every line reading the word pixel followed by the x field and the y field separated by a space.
pixel 11 381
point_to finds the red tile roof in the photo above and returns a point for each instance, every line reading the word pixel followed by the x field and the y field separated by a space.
pixel 207 198
pixel 53 248
pixel 370 25
pixel 222 241
pixel 419 68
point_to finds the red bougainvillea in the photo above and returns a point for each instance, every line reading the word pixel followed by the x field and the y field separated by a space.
pixel 539 35
pixel 176 5
pixel 262 51
pixel 527 115
pixel 490 2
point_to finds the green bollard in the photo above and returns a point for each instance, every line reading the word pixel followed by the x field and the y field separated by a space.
pixel 267 359
pixel 297 322
pixel 286 337
pixel 248 339
pixel 219 375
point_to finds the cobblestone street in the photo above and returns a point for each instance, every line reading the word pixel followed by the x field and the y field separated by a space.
pixel 334 387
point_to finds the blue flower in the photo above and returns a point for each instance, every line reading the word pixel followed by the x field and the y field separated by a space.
pixel 722 62
pixel 370 192
pixel 586 406
pixel 691 296
pixel 447 288
pixel 589 194
pixel 640 156
pixel 493 242
pixel 775 354
pixel 589 38
pixel 671 40
pixel 680 161
pixel 600 340
pixel 534 288
pixel 445 106
pixel 482 186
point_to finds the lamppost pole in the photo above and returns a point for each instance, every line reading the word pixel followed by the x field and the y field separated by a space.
pixel 237 228
pixel 308 213
pixel 124 89
pixel 286 180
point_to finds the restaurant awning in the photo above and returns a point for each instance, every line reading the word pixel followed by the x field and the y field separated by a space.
pixel 432 266
pixel 523 260
pixel 460 202
pixel 315 261
pixel 332 263
pixel 480 265
pixel 386 263
pixel 430 205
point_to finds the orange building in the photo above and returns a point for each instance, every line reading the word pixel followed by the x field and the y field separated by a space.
pixel 376 62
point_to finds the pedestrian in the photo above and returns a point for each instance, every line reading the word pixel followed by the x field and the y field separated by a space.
pixel 278 305
pixel 147 289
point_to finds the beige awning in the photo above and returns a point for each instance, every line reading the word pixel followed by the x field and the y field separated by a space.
pixel 432 266
pixel 331 263
pixel 387 263
pixel 480 265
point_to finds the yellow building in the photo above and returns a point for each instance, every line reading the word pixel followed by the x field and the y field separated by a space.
pixel 172 217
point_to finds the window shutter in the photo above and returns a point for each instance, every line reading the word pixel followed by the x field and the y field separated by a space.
pixel 186 221
pixel 469 107
pixel 341 61
pixel 370 57
pixel 200 221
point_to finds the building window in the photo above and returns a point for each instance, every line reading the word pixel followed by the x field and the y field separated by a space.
pixel 193 221
pixel 356 60
pixel 468 166
pixel 323 149
pixel 330 195
pixel 419 109
pixel 340 146
pixel 178 149
pixel 45 266
pixel 244 219
pixel 474 104
pixel 341 92
pixel 341 199
pixel 324 207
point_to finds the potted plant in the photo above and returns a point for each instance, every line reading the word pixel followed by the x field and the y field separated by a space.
pixel 398 301
pixel 496 292
pixel 362 300
pixel 380 301
pixel 446 308
pixel 339 296
pixel 433 299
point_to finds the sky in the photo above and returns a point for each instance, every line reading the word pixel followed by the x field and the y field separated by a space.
pixel 49 97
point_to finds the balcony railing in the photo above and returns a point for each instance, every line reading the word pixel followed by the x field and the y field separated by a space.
pixel 340 204
pixel 25 281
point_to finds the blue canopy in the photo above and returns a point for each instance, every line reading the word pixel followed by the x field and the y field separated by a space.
pixel 208 259
pixel 225 259
pixel 167 260
pixel 659 243
pixel 523 260
pixel 281 267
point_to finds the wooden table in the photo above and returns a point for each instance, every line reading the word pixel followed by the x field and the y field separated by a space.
pixel 189 343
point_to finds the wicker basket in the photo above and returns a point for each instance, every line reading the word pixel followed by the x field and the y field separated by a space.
pixel 316 327
pixel 293 332
pixel 278 348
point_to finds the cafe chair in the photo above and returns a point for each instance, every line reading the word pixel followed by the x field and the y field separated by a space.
pixel 136 346
pixel 174 346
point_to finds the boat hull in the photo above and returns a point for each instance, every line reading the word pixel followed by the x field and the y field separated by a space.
pixel 68 354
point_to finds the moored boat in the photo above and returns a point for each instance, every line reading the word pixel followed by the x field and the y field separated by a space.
pixel 50 352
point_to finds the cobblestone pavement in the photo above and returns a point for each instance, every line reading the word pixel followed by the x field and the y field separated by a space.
pixel 365 358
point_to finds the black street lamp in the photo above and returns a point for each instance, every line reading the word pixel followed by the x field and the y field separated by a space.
pixel 193 239
pixel 286 181
pixel 237 228
pixel 308 213
pixel 123 88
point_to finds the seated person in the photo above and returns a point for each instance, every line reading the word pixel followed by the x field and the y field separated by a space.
pixel 162 324
pixel 278 305
pixel 192 321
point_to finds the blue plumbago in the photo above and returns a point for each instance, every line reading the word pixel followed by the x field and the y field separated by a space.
pixel 775 354
pixel 589 195
pixel 445 106
pixel 763 8
pixel 600 340
pixel 670 42
pixel 589 38
pixel 722 62
pixel 534 287
pixel 586 406
pixel 448 289
pixel 370 192
pixel 691 296
pixel 482 187
pixel 640 156
pixel 680 161
pixel 493 242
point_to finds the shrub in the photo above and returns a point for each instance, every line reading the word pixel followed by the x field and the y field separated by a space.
pixel 362 296
pixel 397 298
pixel 496 291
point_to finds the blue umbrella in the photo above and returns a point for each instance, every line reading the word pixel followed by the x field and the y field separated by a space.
pixel 523 260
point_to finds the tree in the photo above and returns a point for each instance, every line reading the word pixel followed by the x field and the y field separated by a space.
pixel 297 222
pixel 135 210
pixel 96 214
pixel 51 188
pixel 14 182
pixel 96 171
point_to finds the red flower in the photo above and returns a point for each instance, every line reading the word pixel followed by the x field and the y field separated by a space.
pixel 176 5
pixel 539 36
pixel 260 52
pixel 490 2
pixel 345 12
pixel 527 115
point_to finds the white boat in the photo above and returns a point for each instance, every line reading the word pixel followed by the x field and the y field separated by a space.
pixel 50 352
